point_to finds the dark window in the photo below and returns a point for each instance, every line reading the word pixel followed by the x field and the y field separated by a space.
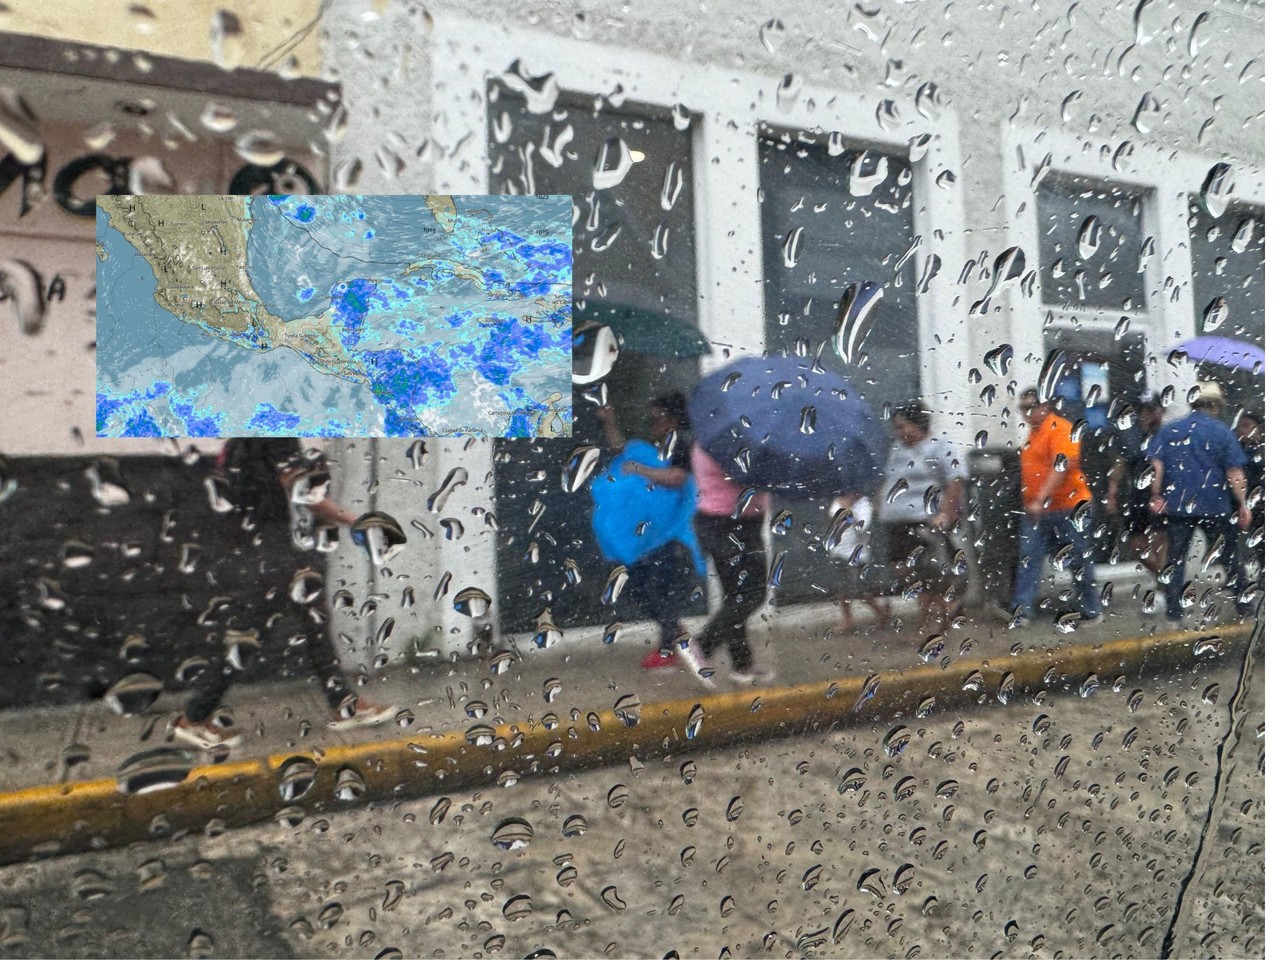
pixel 1228 262
pixel 634 268
pixel 1093 251
pixel 819 238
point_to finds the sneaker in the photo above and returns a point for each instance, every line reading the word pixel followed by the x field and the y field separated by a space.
pixel 204 734
pixel 691 654
pixel 660 659
pixel 752 676
pixel 361 714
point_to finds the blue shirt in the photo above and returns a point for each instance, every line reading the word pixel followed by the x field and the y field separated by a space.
pixel 1197 451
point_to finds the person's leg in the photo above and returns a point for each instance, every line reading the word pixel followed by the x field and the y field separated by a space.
pixel 210 686
pixel 1232 553
pixel 1081 560
pixel 1180 530
pixel 653 578
pixel 737 550
pixel 1026 580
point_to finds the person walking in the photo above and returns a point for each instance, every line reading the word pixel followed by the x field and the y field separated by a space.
pixel 1199 469
pixel 918 507
pixel 1127 501
pixel 654 576
pixel 731 532
pixel 1055 503
pixel 266 478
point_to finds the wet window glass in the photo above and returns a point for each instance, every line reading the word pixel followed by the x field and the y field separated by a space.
pixel 884 575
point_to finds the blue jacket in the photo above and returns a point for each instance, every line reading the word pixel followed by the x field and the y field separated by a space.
pixel 1197 451
pixel 633 517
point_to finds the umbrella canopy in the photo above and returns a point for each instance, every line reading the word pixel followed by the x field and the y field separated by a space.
pixel 645 331
pixel 776 424
pixel 1237 354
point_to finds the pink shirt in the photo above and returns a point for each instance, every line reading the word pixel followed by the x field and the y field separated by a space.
pixel 717 494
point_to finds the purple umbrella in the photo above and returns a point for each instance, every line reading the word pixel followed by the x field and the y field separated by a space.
pixel 1223 351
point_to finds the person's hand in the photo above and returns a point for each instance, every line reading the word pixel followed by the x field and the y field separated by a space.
pixel 631 467
pixel 1157 504
pixel 1245 517
pixel 605 414
pixel 1035 509
pixel 942 522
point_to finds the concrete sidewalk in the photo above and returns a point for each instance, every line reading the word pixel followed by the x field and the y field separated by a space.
pixel 83 776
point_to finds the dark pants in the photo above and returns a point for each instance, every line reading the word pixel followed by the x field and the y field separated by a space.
pixel 1180 530
pixel 737 550
pixel 1053 530
pixel 655 582
pixel 276 618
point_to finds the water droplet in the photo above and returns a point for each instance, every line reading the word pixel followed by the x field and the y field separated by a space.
pixel 133 694
pixel 734 810
pixel 350 785
pixel 855 318
pixel 792 247
pixel 851 781
pixel 612 898
pixel 1215 193
pixel 260 147
pixel 514 833
pixel 575 825
pixel 578 467
pixel 895 741
pixel 297 776
pixel 866 172
pixel 154 770
pixel 997 359
pixel 693 725
pixel 613 585
pixel 105 480
pixel 380 534
pixel 871 882
pixel 617 796
pixel 627 709
pixel 472 602
pixel 518 907
pixel 1089 238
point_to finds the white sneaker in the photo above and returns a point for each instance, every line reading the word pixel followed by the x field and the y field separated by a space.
pixel 691 655
pixel 362 714
pixel 204 735
pixel 752 676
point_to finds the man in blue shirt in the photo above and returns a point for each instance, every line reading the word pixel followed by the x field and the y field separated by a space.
pixel 1199 468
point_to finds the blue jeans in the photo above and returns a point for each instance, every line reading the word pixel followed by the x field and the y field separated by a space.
pixel 1053 530
pixel 1181 529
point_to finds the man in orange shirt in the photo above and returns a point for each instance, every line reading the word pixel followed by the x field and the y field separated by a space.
pixel 1055 502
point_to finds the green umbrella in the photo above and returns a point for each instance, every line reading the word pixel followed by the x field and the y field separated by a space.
pixel 645 331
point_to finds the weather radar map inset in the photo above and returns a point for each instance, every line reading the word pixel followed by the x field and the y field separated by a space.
pixel 334 316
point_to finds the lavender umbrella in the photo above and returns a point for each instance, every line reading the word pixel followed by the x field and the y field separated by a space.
pixel 1224 351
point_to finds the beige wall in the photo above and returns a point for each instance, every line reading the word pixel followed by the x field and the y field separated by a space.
pixel 282 36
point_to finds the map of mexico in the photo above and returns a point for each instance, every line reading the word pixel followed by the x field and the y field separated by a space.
pixel 333 316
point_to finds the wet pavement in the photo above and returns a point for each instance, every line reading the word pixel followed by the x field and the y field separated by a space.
pixel 1056 825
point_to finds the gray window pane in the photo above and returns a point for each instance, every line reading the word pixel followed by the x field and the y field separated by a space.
pixel 633 254
pixel 1091 244
pixel 843 240
pixel 1228 262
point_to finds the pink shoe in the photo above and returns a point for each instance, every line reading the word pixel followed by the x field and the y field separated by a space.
pixel 660 659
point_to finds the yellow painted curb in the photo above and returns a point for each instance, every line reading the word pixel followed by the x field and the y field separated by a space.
pixel 69 818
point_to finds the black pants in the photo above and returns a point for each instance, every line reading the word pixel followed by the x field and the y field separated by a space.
pixel 656 582
pixel 737 550
pixel 1180 530
pixel 267 608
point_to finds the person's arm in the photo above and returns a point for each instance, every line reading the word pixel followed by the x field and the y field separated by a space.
pixel 952 500
pixel 1235 479
pixel 326 510
pixel 672 477
pixel 1116 475
pixel 613 437
pixel 1156 500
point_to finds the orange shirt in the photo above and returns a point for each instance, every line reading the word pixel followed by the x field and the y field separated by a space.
pixel 1048 442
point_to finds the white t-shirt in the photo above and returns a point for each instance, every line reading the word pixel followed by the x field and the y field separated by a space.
pixel 909 474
